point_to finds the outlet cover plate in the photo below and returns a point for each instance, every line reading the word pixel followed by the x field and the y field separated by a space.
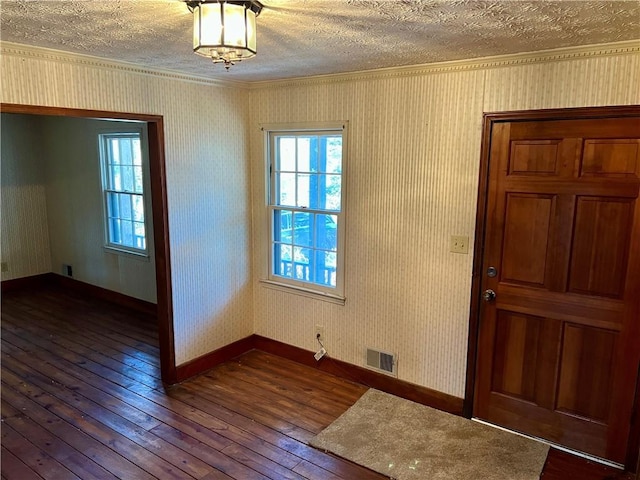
pixel 459 244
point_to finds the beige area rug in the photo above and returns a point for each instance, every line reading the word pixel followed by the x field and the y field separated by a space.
pixel 408 441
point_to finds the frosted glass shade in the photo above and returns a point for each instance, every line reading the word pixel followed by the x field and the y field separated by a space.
pixel 224 31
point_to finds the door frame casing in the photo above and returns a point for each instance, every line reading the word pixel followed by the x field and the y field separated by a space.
pixel 159 206
pixel 489 121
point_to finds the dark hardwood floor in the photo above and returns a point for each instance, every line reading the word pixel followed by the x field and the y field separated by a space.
pixel 82 398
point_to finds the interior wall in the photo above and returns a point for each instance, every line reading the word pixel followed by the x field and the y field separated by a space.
pixel 207 174
pixel 75 208
pixel 23 220
pixel 411 181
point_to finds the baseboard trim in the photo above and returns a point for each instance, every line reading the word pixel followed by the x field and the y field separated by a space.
pixel 37 281
pixel 400 388
pixel 208 361
pixel 25 283
pixel 103 294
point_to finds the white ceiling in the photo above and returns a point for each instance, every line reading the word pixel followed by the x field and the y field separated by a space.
pixel 299 38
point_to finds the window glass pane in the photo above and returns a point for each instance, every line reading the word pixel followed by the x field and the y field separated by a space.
pixel 127 179
pixel 333 155
pixel 283 228
pixel 301 257
pixel 137 152
pixel 325 268
pixel 330 192
pixel 282 264
pixel 139 235
pixel 308 154
pixel 138 208
pixel 326 232
pixel 137 183
pixel 125 206
pixel 307 191
pixel 115 178
pixel 126 154
pixel 113 208
pixel 302 228
pixel 114 232
pixel 114 151
pixel 286 154
pixel 287 189
pixel 127 232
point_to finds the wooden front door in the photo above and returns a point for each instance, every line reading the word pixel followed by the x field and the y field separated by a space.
pixel 559 344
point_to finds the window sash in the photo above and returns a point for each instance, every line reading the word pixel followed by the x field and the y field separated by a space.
pixel 299 260
pixel 123 192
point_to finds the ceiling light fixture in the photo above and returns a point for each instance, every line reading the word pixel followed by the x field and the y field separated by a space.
pixel 225 30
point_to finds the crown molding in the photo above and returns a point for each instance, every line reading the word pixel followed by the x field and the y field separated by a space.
pixel 48 54
pixel 542 56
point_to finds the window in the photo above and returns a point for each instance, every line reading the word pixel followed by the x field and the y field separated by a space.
pixel 122 186
pixel 305 204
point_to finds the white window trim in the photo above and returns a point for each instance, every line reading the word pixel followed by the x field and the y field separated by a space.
pixel 306 289
pixel 135 253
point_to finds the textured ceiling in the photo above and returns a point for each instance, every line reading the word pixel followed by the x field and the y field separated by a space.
pixel 311 37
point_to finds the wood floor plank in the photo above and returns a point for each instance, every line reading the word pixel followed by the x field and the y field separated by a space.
pixel 312 394
pixel 82 398
pixel 62 452
pixel 100 453
pixel 12 467
pixel 283 368
pixel 313 398
pixel 166 415
pixel 148 460
pixel 170 417
pixel 63 342
pixel 47 376
pixel 219 385
pixel 38 460
pixel 92 336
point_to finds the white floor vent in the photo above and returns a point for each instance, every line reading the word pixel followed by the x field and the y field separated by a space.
pixel 381 361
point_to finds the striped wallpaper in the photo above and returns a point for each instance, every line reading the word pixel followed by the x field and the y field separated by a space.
pixel 207 177
pixel 411 180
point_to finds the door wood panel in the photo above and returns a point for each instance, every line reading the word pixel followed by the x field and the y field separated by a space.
pixel 558 350
pixel 600 246
pixel 611 157
pixel 526 233
pixel 585 371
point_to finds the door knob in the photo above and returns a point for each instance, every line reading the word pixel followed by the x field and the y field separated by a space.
pixel 489 295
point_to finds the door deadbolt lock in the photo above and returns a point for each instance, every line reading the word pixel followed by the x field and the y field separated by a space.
pixel 492 272
pixel 489 295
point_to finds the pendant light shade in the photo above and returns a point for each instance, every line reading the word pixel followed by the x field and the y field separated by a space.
pixel 225 30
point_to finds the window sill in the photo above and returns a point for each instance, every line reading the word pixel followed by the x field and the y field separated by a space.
pixel 325 297
pixel 143 257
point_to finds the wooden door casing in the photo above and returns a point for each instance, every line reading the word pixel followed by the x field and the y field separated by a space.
pixel 558 349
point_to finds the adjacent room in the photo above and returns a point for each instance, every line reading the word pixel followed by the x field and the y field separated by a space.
pixel 320 239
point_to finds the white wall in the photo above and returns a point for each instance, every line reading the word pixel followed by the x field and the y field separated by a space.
pixel 411 182
pixel 23 219
pixel 207 177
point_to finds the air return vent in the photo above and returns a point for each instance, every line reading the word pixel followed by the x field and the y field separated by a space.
pixel 381 361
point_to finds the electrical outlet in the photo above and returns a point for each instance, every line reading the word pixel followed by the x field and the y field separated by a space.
pixel 319 330
pixel 67 270
pixel 319 354
pixel 459 244
pixel 4 266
